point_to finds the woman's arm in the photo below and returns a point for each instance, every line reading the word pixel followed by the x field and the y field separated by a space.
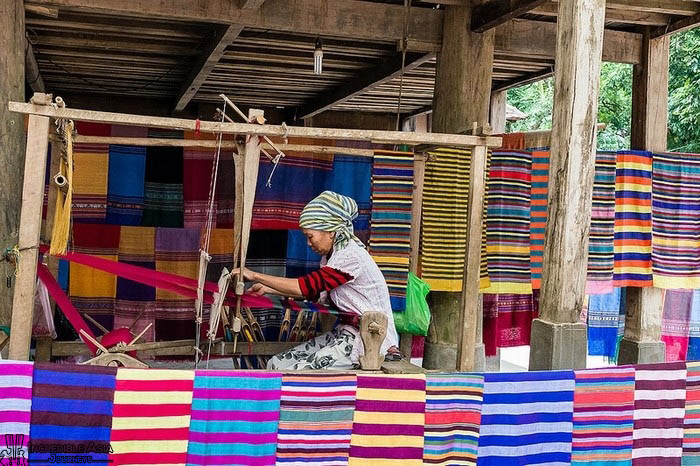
pixel 281 285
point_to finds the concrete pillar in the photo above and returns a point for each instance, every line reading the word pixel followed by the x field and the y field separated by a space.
pixel 558 340
pixel 462 95
pixel 642 340
pixel 498 111
pixel 12 64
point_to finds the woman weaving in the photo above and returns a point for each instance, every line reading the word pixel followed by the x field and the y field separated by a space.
pixel 348 277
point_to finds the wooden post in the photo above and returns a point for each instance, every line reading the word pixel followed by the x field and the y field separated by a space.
pixel 462 95
pixel 29 232
pixel 642 340
pixel 498 111
pixel 472 261
pixel 558 340
pixel 12 66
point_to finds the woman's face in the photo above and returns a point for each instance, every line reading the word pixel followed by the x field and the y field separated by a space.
pixel 320 241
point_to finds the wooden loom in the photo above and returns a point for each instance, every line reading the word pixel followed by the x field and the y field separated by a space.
pixel 40 113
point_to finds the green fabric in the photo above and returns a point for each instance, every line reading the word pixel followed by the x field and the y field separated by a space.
pixel 331 212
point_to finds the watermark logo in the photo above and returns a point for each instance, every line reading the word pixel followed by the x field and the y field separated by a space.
pixel 14 453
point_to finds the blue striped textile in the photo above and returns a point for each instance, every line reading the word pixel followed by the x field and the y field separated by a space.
pixel 125 186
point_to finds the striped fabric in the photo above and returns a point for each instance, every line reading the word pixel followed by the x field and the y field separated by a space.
pixel 527 418
pixel 90 182
pixel 177 251
pixel 452 418
pixel 72 407
pixel 538 214
pixel 603 318
pixel 633 219
pixel 390 231
pixel 15 407
pixel 659 410
pixel 676 323
pixel 508 223
pixel 389 420
pixel 691 422
pixel 603 416
pixel 601 254
pixel 316 414
pixel 234 418
pixel 151 417
pixel 125 190
pixel 676 221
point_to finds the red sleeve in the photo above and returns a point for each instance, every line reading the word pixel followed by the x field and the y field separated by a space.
pixel 324 279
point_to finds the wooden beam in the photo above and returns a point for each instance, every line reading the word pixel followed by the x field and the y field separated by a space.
pixel 496 12
pixel 523 80
pixel 497 119
pixel 367 81
pixel 627 16
pixel 49 12
pixel 669 7
pixel 677 26
pixel 250 4
pixel 32 73
pixel 211 54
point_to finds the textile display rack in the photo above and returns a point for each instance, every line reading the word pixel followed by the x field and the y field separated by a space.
pixel 248 144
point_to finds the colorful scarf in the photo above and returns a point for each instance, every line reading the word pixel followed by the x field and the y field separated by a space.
pixel 527 418
pixel 603 416
pixel 234 418
pixel 316 414
pixel 601 254
pixel 125 190
pixel 538 214
pixel 389 420
pixel 151 417
pixel 676 221
pixel 15 407
pixel 332 212
pixel 390 235
pixel 452 418
pixel 72 406
pixel 691 422
pixel 163 189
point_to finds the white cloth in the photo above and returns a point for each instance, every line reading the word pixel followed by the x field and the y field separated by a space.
pixel 366 292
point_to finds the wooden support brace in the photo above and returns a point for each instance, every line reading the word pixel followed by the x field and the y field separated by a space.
pixel 373 327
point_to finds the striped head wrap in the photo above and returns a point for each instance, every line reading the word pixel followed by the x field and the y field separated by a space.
pixel 331 212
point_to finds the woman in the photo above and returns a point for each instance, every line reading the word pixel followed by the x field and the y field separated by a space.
pixel 348 277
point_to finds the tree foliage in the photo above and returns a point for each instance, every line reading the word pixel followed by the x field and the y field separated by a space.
pixel 615 101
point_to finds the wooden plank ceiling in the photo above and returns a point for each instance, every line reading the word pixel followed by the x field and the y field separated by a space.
pixel 96 53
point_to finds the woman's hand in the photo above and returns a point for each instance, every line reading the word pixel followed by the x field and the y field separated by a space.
pixel 258 289
pixel 248 274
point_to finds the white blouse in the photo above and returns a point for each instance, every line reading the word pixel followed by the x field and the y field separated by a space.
pixel 366 292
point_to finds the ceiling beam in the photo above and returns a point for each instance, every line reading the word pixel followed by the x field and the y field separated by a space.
pixel 496 12
pixel 677 26
pixel 523 80
pixel 669 7
pixel 250 4
pixel 628 16
pixel 210 56
pixel 365 82
pixel 32 74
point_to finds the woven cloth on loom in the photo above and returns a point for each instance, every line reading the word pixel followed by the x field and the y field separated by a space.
pixel 691 422
pixel 234 418
pixel 601 254
pixel 91 290
pixel 151 419
pixel 603 416
pixel 508 223
pixel 72 407
pixel 527 418
pixel 90 176
pixel 352 176
pixel 390 234
pixel 125 189
pixel 452 418
pixel 603 322
pixel 389 420
pixel 444 220
pixel 299 177
pixel 676 221
pixel 508 320
pixel 538 214
pixel 316 419
pixel 659 410
pixel 680 324
pixel 163 189
pixel 15 407
pixel 633 219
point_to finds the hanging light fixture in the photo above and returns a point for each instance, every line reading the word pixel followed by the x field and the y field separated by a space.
pixel 318 57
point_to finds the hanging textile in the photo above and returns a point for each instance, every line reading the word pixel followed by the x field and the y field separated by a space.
pixel 163 188
pixel 676 221
pixel 225 191
pixel 125 188
pixel 538 214
pixel 90 179
pixel 93 291
pixel 352 176
pixel 234 418
pixel 15 407
pixel 633 219
pixel 445 194
pixel 301 259
pixel 691 422
pixel 659 410
pixel 601 254
pixel 603 323
pixel 390 235
pixel 694 328
pixel 452 418
pixel 675 323
pixel 527 418
pixel 151 419
pixel 316 414
pixel 389 420
pixel 514 141
pixel 197 172
pixel 72 406
pixel 508 223
pixel 267 252
pixel 603 416
pixel 508 320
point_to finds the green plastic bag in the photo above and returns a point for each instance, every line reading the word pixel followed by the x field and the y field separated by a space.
pixel 416 318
